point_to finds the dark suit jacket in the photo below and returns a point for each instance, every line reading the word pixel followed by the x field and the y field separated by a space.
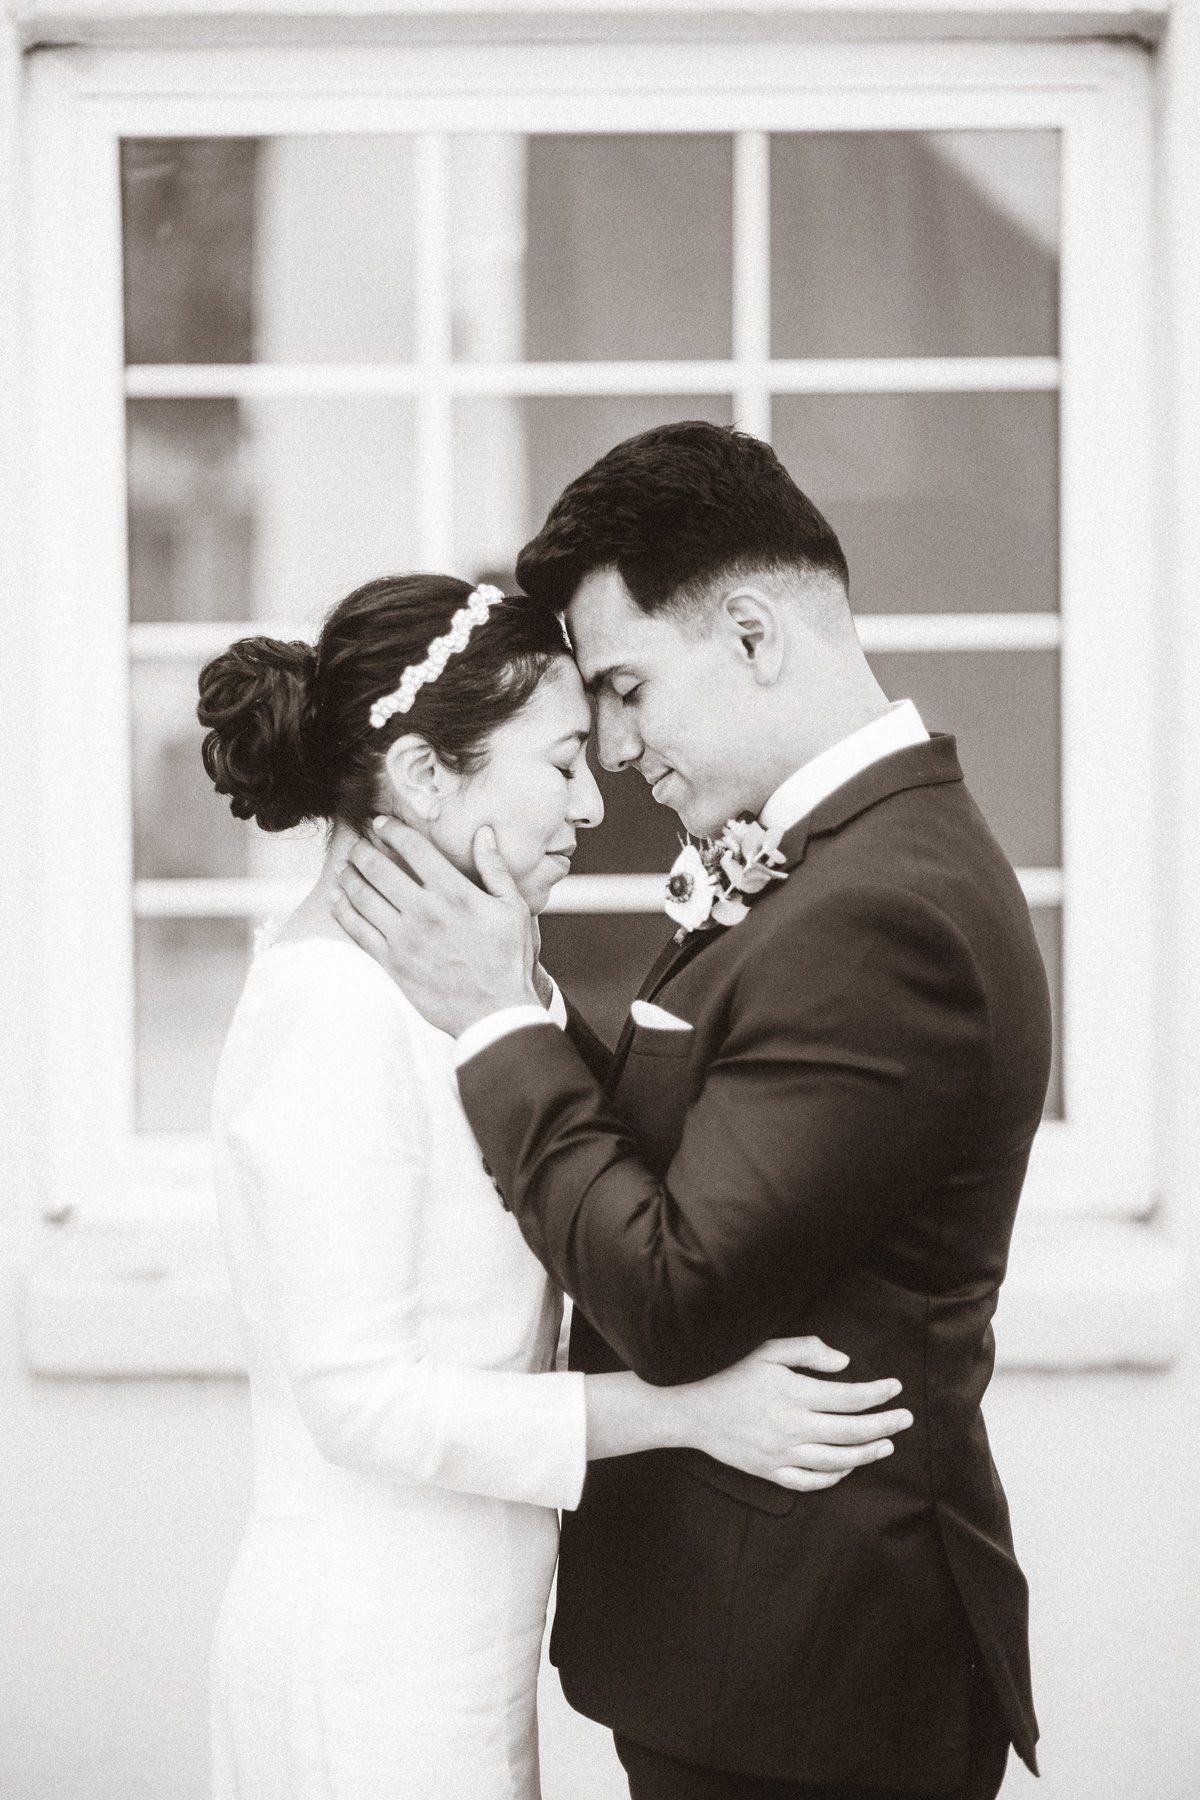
pixel 837 1147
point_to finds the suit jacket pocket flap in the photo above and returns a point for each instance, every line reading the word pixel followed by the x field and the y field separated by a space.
pixel 767 1496
pixel 655 1040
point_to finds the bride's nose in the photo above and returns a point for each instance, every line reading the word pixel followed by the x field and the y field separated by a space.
pixel 587 805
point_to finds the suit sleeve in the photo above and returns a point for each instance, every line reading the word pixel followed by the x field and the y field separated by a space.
pixel 857 1038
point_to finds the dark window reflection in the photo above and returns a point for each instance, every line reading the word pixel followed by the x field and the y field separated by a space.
pixel 903 243
pixel 630 247
pixel 943 502
pixel 188 216
pixel 1003 708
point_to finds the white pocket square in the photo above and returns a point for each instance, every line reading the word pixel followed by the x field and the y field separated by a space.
pixel 644 1012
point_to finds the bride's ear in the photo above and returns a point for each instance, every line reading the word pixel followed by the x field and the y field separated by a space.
pixel 420 782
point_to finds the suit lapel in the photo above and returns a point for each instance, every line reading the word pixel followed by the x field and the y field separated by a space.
pixel 921 765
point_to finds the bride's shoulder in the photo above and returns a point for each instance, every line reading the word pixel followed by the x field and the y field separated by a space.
pixel 323 985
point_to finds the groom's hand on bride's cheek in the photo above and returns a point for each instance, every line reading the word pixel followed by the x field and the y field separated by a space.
pixel 458 951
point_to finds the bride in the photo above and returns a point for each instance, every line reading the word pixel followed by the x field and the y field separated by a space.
pixel 380 1636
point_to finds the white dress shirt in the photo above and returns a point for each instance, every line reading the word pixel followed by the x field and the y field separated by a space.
pixel 898 728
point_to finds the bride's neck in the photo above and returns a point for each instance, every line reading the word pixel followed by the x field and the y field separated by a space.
pixel 314 915
pixel 340 845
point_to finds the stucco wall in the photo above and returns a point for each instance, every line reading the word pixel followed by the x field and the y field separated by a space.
pixel 122 1505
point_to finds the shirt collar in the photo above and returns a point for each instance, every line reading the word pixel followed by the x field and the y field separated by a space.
pixel 897 729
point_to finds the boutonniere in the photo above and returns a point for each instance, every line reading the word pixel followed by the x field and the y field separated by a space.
pixel 707 881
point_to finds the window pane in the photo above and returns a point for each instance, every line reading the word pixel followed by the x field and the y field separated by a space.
pixel 514 457
pixel 290 249
pixel 629 247
pixel 1003 708
pixel 600 960
pixel 189 974
pixel 943 502
pixel 181 827
pixel 268 509
pixel 907 243
pixel 637 837
pixel 1047 925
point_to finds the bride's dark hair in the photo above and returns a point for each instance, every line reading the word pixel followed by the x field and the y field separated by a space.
pixel 289 735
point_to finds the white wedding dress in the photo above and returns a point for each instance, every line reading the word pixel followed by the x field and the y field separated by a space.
pixel 380 1636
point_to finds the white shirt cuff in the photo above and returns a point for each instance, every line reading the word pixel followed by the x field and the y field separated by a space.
pixel 486 1032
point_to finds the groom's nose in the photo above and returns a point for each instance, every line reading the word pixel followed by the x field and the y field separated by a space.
pixel 617 743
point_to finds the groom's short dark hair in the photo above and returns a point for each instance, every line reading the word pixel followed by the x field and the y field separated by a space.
pixel 674 509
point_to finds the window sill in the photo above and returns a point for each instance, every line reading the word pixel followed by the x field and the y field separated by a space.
pixel 142 1301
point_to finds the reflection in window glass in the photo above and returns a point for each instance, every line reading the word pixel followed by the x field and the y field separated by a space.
pixel 629 247
pixel 887 243
pixel 943 502
pixel 188 221
pixel 601 959
pixel 637 836
pixel 181 827
pixel 266 509
pixel 189 974
pixel 1003 708
pixel 502 499
pixel 288 249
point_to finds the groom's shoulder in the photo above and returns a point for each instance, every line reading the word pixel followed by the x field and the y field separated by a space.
pixel 919 867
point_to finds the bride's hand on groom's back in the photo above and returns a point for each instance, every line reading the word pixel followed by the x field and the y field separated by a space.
pixel 771 1418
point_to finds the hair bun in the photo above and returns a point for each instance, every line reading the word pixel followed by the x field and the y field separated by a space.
pixel 256 699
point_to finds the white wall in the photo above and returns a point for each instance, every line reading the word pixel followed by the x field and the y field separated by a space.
pixel 121 1505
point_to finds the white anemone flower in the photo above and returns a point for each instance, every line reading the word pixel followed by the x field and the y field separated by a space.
pixel 691 890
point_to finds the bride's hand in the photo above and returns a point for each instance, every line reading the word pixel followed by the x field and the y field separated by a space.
pixel 765 1417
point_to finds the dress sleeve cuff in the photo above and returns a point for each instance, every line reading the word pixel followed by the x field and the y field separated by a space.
pixel 556 1012
pixel 486 1032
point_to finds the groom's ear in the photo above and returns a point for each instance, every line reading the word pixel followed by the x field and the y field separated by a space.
pixel 750 617
pixel 420 781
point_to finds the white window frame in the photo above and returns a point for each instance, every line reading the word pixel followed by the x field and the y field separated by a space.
pixel 1099 1162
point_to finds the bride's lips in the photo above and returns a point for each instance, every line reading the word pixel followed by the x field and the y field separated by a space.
pixel 658 781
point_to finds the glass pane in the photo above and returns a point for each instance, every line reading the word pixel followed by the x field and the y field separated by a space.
pixel 1003 708
pixel 629 247
pixel 914 243
pixel 189 974
pixel 289 249
pixel 1047 925
pixel 268 509
pixel 943 502
pixel 601 959
pixel 181 827
pixel 514 457
pixel 637 836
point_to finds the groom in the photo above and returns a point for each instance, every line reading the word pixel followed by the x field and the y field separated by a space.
pixel 817 1121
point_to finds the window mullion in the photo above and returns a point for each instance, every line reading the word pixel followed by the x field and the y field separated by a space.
pixel 752 280
pixel 435 419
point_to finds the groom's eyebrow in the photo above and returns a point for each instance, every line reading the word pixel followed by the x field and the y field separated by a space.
pixel 595 682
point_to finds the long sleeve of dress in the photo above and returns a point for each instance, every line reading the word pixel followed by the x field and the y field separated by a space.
pixel 327 1135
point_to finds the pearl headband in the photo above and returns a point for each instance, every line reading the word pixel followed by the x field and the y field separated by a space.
pixel 479 603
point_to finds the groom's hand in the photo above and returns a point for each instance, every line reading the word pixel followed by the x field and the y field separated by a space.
pixel 458 951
